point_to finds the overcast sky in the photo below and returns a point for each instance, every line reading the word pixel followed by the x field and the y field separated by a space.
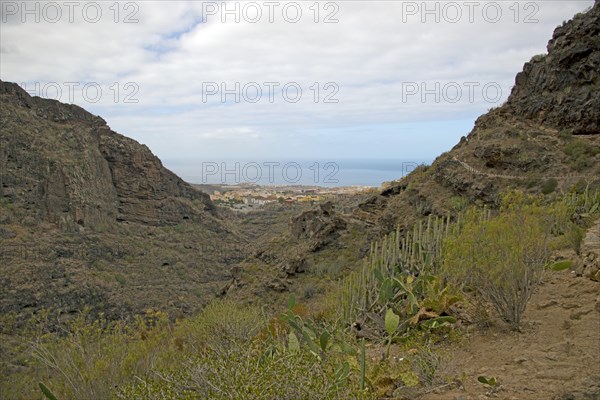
pixel 362 68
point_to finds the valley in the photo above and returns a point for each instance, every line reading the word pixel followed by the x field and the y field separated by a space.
pixel 474 277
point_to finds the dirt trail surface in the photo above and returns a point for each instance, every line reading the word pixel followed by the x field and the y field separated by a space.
pixel 475 171
pixel 556 356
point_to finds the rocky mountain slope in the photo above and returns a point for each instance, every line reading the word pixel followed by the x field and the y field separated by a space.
pixel 560 90
pixel 91 217
pixel 68 167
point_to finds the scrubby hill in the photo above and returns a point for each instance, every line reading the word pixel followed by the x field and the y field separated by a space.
pixel 545 139
pixel 91 218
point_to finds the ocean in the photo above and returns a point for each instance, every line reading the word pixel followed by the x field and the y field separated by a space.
pixel 327 173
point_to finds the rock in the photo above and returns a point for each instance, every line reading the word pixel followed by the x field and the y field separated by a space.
pixel 277 285
pixel 570 306
pixel 576 315
pixel 228 287
pixel 320 226
pixel 565 80
pixel 547 304
pixel 294 266
pixel 590 252
pixel 146 191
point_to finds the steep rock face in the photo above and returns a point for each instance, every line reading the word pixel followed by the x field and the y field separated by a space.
pixel 91 218
pixel 146 191
pixel 562 89
pixel 51 166
pixel 63 165
pixel 549 128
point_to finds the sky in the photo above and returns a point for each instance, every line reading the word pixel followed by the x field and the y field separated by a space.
pixel 275 80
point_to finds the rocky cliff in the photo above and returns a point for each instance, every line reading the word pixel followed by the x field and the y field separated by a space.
pixel 91 218
pixel 66 166
pixel 562 89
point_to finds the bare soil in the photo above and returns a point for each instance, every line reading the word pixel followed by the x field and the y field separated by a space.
pixel 555 356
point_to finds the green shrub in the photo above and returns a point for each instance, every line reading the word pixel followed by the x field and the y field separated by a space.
pixel 549 186
pixel 570 214
pixel 501 257
pixel 575 237
pixel 305 361
pixel 248 374
pixel 221 324
pixel 565 134
pixel 580 154
pixel 96 356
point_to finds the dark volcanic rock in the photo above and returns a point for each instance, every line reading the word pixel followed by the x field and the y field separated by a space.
pixel 562 89
pixel 319 226
pixel 147 192
pixel 294 266
pixel 66 166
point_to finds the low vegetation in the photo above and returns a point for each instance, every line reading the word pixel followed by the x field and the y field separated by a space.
pixel 380 334
pixel 500 257
pixel 580 154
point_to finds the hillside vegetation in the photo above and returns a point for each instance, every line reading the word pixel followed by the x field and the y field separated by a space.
pixel 383 332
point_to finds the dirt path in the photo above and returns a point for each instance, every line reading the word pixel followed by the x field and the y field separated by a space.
pixel 557 356
pixel 475 171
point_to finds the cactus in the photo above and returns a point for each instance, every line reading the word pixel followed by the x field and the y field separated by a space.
pixel 417 252
pixel 561 265
pixel 391 326
pixel 49 395
pixel 293 343
pixel 363 364
pixel 491 381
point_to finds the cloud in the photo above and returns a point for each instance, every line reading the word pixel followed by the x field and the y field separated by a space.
pixel 374 53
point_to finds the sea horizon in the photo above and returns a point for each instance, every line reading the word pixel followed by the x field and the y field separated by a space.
pixel 300 172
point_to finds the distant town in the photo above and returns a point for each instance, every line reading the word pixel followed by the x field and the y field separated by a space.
pixel 249 196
